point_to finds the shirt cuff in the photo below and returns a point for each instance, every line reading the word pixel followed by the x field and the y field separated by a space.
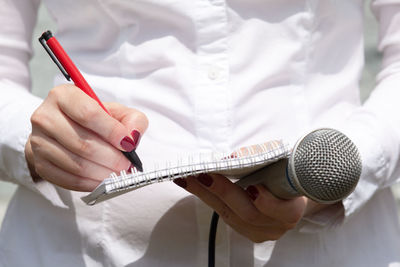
pixel 13 166
pixel 378 145
pixel 331 216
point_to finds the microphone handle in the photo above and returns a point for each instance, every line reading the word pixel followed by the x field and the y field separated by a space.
pixel 274 177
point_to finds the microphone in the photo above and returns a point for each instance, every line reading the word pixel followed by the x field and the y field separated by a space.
pixel 325 166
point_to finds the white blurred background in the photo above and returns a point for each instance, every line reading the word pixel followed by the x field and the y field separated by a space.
pixel 41 66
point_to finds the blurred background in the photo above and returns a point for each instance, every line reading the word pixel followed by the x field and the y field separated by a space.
pixel 41 66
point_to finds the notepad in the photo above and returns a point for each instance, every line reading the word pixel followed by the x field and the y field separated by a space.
pixel 234 165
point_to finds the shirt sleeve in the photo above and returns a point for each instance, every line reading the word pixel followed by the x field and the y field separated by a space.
pixel 17 104
pixel 374 127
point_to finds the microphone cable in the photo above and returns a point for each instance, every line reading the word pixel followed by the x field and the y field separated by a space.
pixel 211 239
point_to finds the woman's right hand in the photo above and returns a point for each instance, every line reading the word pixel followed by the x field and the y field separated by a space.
pixel 75 144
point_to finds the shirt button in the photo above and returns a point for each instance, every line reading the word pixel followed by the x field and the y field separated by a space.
pixel 213 73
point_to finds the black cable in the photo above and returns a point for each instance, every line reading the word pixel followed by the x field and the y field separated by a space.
pixel 211 239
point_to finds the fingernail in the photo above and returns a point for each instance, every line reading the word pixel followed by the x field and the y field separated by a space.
pixel 205 179
pixel 136 137
pixel 129 170
pixel 127 144
pixel 253 192
pixel 180 182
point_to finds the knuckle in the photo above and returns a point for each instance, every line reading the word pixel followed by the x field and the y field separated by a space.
pixel 39 118
pixel 79 166
pixel 35 141
pixel 38 147
pixel 54 93
pixel 58 91
pixel 88 112
pixel 85 148
pixel 40 168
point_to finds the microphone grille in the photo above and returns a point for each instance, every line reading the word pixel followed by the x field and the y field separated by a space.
pixel 326 165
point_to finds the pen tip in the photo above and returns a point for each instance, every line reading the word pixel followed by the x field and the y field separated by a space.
pixel 134 159
pixel 139 167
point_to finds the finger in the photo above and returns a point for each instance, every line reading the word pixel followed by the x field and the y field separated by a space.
pixel 77 139
pixel 55 175
pixel 50 150
pixel 88 113
pixel 234 197
pixel 226 213
pixel 287 211
pixel 253 232
pixel 30 160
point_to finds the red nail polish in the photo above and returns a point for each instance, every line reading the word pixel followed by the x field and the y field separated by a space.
pixel 180 182
pixel 253 192
pixel 136 137
pixel 205 179
pixel 129 170
pixel 127 144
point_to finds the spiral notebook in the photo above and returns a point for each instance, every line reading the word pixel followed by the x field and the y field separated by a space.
pixel 234 165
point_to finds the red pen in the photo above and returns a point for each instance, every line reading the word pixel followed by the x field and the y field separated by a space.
pixel 70 71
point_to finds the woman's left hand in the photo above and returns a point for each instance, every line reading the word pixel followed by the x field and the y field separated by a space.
pixel 255 212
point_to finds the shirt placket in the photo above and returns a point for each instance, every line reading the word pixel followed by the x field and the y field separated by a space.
pixel 212 105
pixel 212 95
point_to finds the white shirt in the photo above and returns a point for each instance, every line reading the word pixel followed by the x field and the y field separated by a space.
pixel 211 75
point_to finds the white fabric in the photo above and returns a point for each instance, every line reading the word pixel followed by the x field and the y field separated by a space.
pixel 210 75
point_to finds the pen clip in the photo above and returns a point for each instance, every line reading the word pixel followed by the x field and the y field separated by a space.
pixel 42 40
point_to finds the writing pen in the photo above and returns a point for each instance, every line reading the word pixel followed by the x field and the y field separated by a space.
pixel 70 71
